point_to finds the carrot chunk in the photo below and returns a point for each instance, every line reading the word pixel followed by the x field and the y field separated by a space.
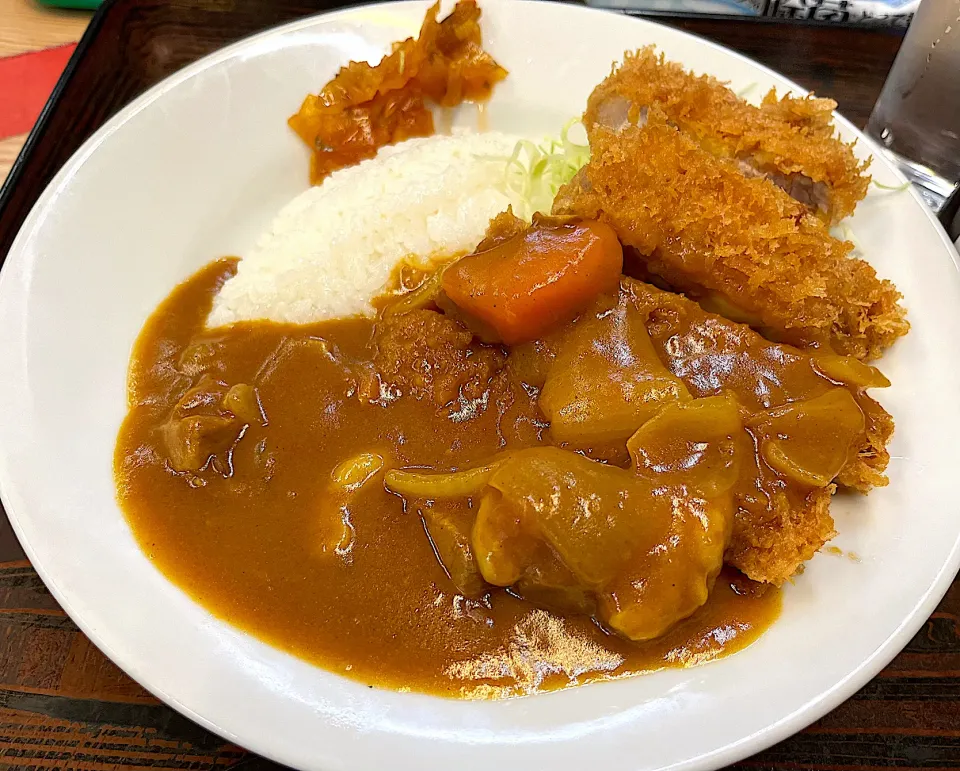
pixel 537 280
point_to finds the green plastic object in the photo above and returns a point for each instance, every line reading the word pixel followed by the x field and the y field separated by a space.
pixel 85 4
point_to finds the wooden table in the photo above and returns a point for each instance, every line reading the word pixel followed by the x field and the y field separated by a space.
pixel 63 705
pixel 26 28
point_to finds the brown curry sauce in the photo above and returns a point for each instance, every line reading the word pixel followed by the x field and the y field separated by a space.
pixel 245 538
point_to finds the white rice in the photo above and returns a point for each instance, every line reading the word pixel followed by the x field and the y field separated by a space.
pixel 332 249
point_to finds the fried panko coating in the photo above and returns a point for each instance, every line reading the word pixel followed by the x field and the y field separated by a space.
pixel 503 227
pixel 780 523
pixel 366 107
pixel 739 246
pixel 772 546
pixel 426 355
pixel 789 141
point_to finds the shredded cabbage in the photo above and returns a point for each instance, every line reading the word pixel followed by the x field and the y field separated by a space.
pixel 535 172
pixel 891 188
pixel 844 232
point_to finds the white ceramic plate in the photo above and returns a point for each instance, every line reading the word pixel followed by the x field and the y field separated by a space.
pixel 192 170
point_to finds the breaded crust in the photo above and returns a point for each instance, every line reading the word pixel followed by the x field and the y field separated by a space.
pixel 790 140
pixel 773 549
pixel 782 523
pixel 739 246
pixel 865 471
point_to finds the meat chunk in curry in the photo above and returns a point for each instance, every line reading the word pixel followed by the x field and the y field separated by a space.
pixel 207 422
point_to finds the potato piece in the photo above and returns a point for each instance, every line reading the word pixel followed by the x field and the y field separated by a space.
pixel 639 549
pixel 593 516
pixel 606 379
pixel 674 577
pixel 642 555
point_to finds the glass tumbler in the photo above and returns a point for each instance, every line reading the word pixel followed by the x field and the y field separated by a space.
pixel 917 118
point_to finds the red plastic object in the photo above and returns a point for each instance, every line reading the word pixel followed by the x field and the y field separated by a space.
pixel 26 80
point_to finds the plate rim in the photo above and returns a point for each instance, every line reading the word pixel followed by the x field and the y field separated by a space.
pixel 756 742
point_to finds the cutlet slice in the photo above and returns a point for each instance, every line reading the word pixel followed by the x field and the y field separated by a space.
pixel 789 141
pixel 739 246
pixel 780 522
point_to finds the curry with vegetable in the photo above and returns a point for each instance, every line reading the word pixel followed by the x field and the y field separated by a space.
pixel 527 471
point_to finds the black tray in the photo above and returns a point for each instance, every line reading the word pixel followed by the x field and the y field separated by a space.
pixel 908 718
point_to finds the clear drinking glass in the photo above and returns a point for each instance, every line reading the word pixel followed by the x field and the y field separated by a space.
pixel 950 216
pixel 917 118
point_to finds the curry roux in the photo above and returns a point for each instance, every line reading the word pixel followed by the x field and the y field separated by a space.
pixel 245 542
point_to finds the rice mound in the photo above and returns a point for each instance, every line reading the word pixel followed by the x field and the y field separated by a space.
pixel 331 250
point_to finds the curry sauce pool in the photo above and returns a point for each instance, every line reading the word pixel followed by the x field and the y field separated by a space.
pixel 246 537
